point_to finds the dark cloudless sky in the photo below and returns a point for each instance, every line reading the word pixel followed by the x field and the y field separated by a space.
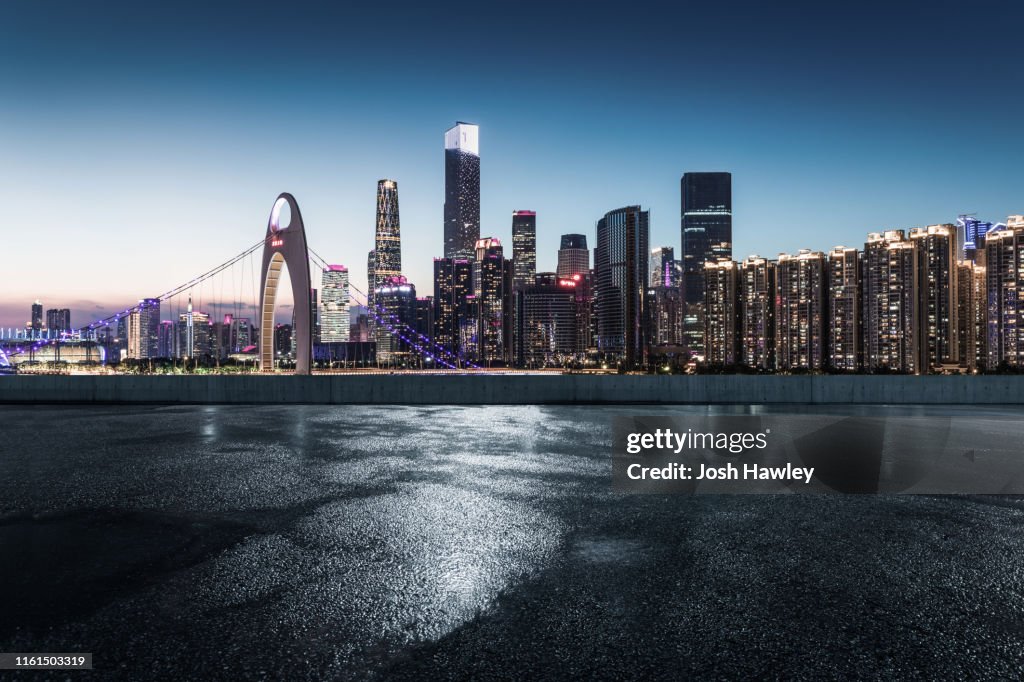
pixel 143 143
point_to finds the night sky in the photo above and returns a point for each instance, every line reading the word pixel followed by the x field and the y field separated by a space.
pixel 142 145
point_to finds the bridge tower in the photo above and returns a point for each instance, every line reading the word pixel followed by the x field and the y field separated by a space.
pixel 286 245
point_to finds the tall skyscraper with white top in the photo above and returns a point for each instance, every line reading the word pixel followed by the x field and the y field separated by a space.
pixel 461 190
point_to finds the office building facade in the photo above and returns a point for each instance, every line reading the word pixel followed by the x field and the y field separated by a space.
pixel 662 267
pixel 492 283
pixel 524 249
pixel 573 255
pixel 620 284
pixel 144 330
pixel 664 308
pixel 58 321
pixel 461 190
pixel 453 282
pixel 334 305
pixel 36 319
pixel 396 303
pixel 706 227
pixel 546 322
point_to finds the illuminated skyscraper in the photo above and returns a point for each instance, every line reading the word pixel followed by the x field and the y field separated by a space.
pixel 889 294
pixel 492 281
pixel 706 220
pixel 388 237
pixel 620 282
pixel 282 340
pixel 524 248
pixel 36 321
pixel 387 265
pixel 971 314
pixel 371 285
pixel 168 342
pixel 757 313
pixel 721 303
pixel 1004 265
pixel 334 299
pixel 193 333
pixel 664 309
pixel 936 307
pixel 453 282
pixel 844 309
pixel 573 255
pixel 800 315
pixel 144 330
pixel 58 320
pixel 461 190
pixel 242 334
pixel 662 267
pixel 970 237
pixel 396 300
pixel 546 322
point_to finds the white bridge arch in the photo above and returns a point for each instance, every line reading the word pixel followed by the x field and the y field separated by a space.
pixel 286 245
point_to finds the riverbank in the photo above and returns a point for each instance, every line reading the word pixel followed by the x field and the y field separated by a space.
pixel 514 389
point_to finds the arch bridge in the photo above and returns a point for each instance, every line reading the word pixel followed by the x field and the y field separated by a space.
pixel 285 245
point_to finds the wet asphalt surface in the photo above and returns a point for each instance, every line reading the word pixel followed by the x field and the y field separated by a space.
pixel 309 542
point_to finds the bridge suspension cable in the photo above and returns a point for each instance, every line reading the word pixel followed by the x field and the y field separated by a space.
pixel 378 310
pixel 169 294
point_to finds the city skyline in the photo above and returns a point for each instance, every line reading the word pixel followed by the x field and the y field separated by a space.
pixel 117 146
pixel 227 307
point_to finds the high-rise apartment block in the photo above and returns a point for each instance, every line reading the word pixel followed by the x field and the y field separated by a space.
pixel 757 313
pixel 721 305
pixel 888 295
pixel 936 306
pixel 800 313
pixel 1004 284
pixel 971 302
pixel 843 349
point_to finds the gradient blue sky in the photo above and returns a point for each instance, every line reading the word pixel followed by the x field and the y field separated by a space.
pixel 142 145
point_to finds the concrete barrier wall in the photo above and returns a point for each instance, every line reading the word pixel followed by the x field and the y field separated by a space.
pixel 496 389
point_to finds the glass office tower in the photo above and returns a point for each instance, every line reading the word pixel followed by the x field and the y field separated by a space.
pixel 524 248
pixel 706 226
pixel 461 190
pixel 621 277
